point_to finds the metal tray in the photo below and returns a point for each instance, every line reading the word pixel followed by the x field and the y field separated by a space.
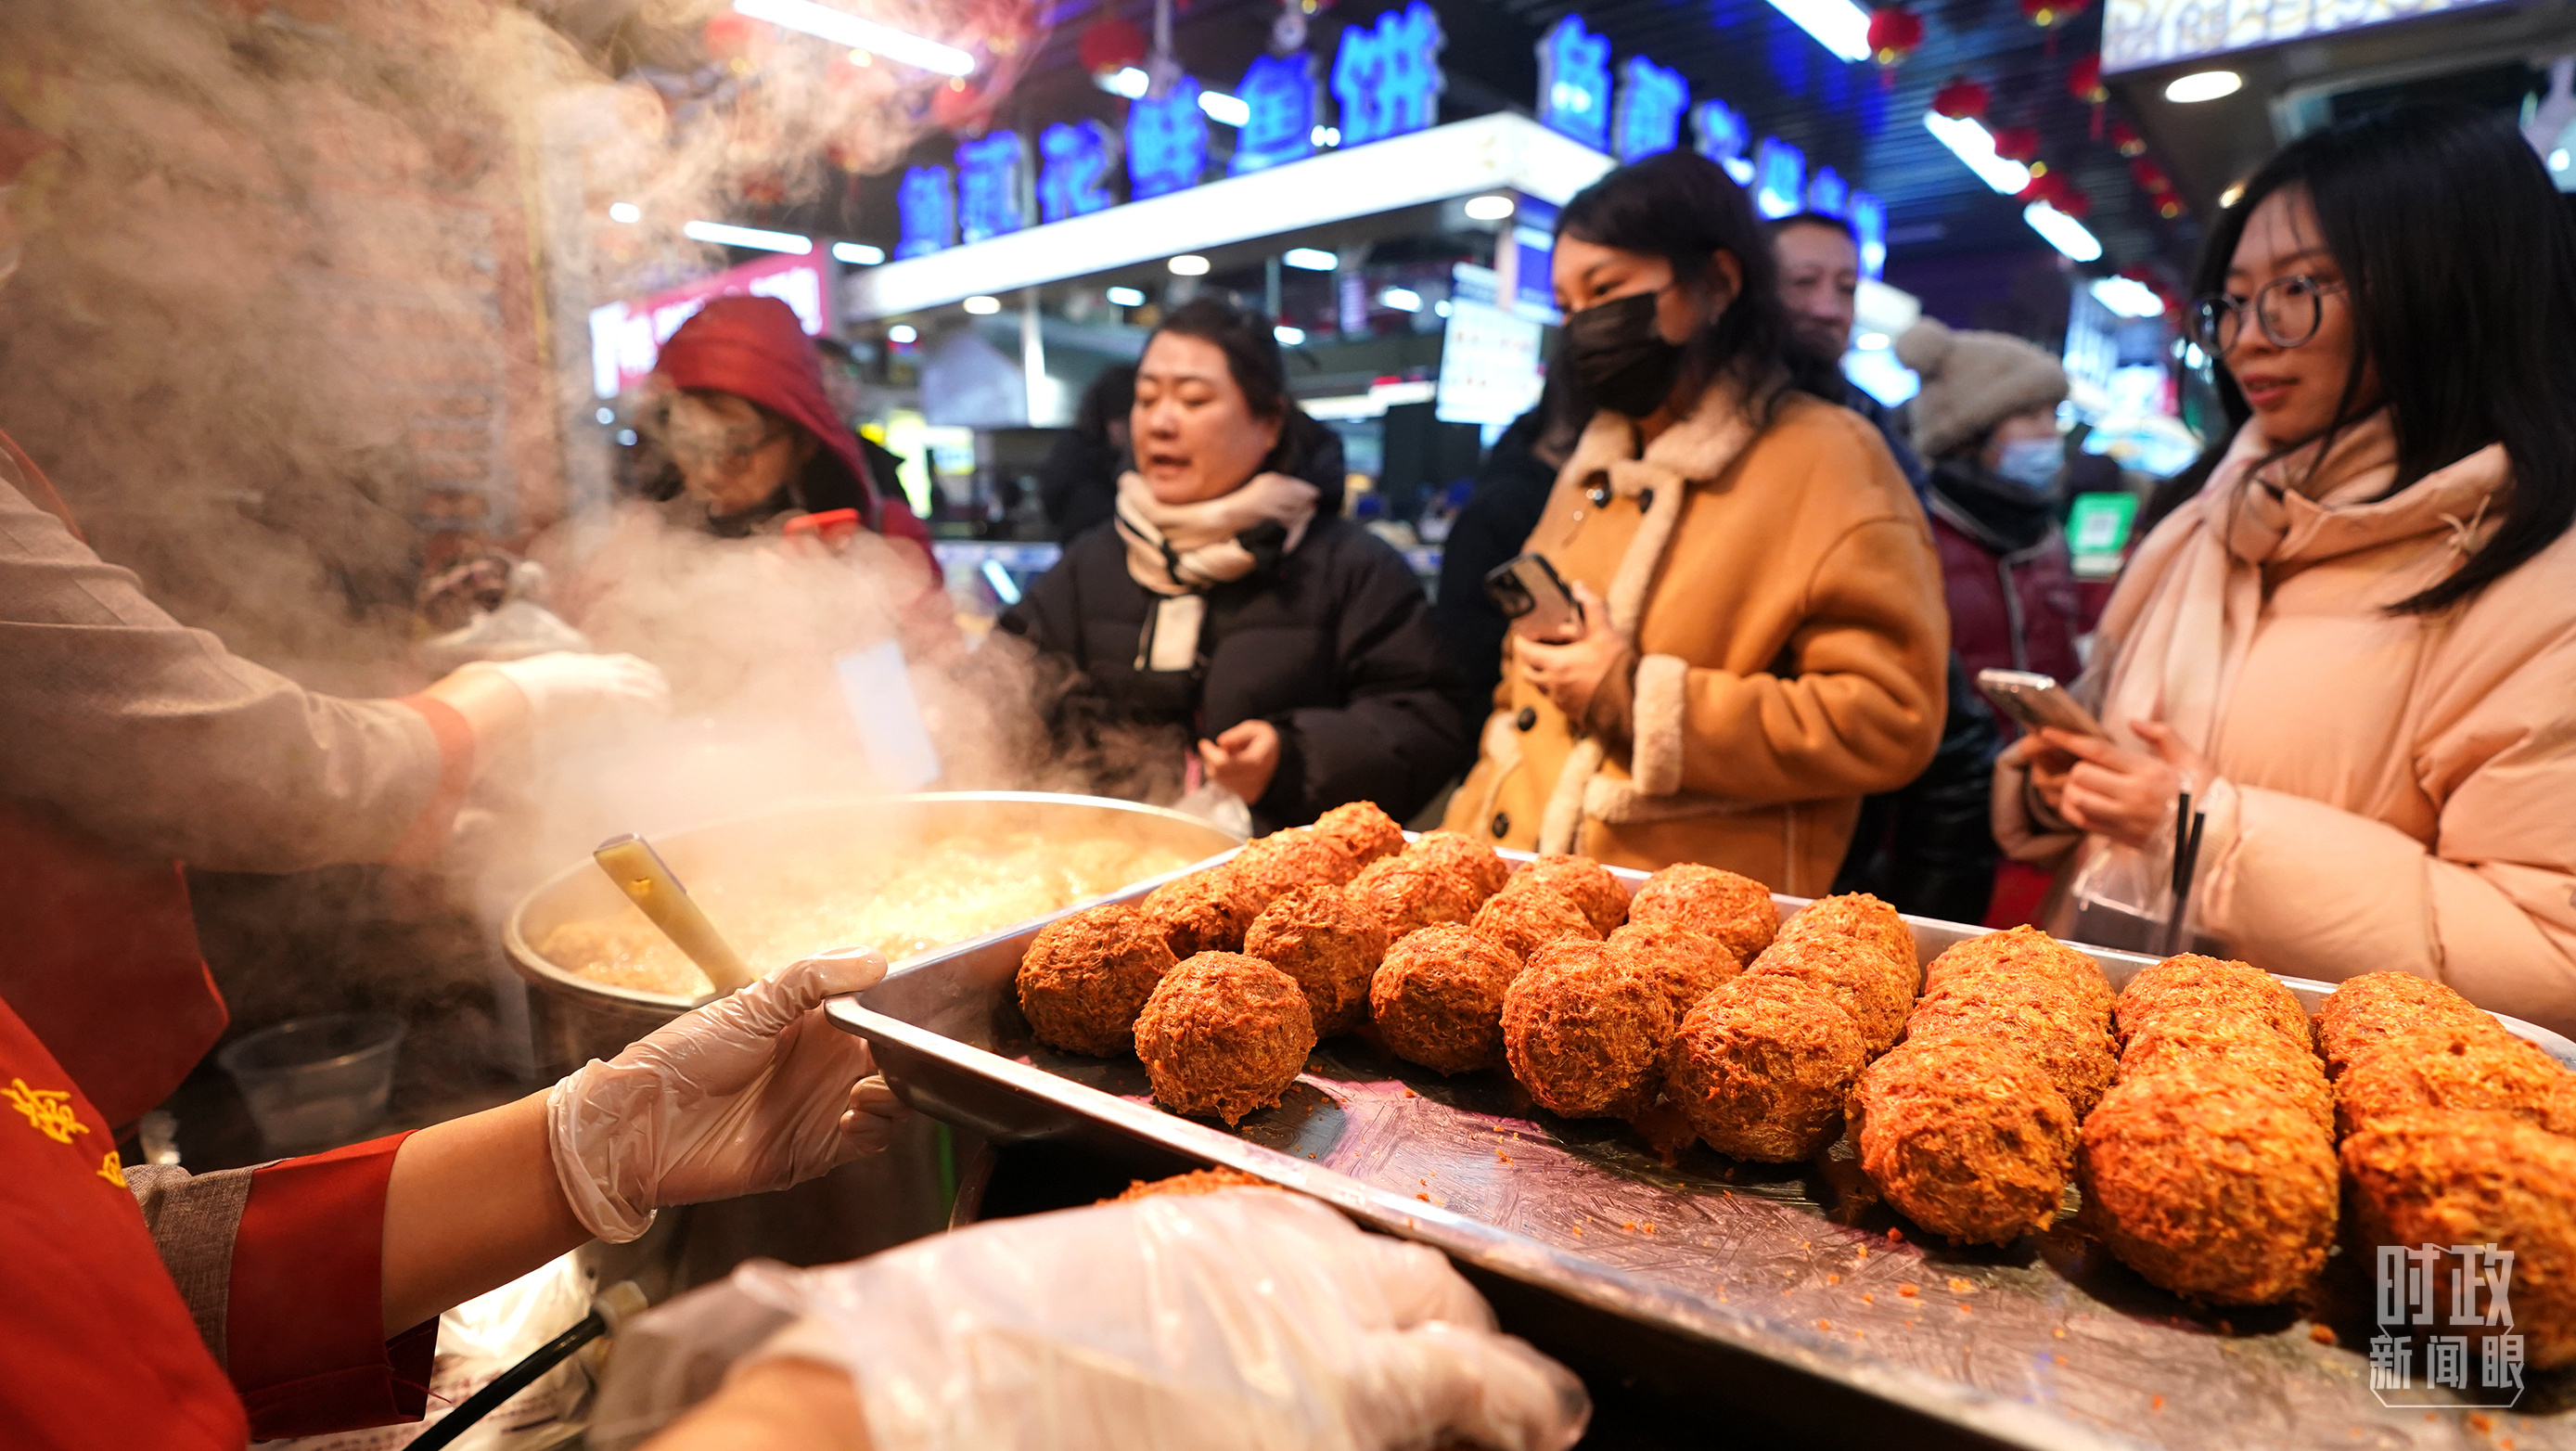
pixel 1783 1303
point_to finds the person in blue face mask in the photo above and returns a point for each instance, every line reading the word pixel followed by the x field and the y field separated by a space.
pixel 1987 421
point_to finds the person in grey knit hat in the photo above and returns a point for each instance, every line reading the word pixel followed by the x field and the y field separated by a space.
pixel 1986 421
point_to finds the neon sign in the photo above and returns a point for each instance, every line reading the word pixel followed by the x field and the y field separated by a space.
pixel 1387 75
pixel 1827 192
pixel 1779 178
pixel 926 210
pixel 1073 167
pixel 1574 83
pixel 1167 141
pixel 988 186
pixel 1648 118
pixel 1279 91
pixel 1869 227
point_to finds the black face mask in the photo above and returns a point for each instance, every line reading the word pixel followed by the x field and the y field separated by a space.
pixel 1618 357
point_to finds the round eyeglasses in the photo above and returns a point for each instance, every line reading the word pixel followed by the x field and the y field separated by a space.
pixel 2288 309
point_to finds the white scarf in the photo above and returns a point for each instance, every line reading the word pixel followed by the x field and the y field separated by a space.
pixel 1181 551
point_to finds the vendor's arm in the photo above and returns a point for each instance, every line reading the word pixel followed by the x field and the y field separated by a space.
pixel 1859 711
pixel 1399 736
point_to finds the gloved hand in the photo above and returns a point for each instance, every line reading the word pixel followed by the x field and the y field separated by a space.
pixel 562 686
pixel 1247 1320
pixel 753 1092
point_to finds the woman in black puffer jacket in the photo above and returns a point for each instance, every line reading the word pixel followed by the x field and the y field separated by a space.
pixel 1228 618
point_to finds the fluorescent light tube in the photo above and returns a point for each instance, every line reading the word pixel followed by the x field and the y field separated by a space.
pixel 842 28
pixel 752 237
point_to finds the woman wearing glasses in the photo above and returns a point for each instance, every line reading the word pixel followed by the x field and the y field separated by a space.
pixel 2355 645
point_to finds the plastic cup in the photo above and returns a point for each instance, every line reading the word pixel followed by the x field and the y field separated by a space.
pixel 319 1082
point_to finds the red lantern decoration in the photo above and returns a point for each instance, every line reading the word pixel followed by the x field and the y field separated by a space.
pixel 1894 33
pixel 2050 14
pixel 2125 137
pixel 2084 83
pixel 1961 100
pixel 2017 143
pixel 2150 177
pixel 1112 44
pixel 737 39
pixel 2169 208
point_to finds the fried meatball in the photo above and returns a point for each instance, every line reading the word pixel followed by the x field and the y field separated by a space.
pixel 1438 998
pixel 1190 1185
pixel 2451 1068
pixel 1527 919
pixel 1865 918
pixel 2192 980
pixel 2451 1176
pixel 1857 975
pixel 1362 830
pixel 2217 1042
pixel 1224 1034
pixel 1085 977
pixel 1586 1030
pixel 1969 1138
pixel 1408 893
pixel 2034 1014
pixel 1299 857
pixel 1202 912
pixel 1690 963
pixel 2377 1005
pixel 1761 1068
pixel 2025 951
pixel 1471 859
pixel 2209 1186
pixel 1583 881
pixel 1329 944
pixel 1737 911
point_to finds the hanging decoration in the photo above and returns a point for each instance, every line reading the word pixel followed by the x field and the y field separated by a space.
pixel 2126 139
pixel 2053 188
pixel 2084 83
pixel 2017 143
pixel 1962 100
pixel 2048 15
pixel 2159 187
pixel 1895 32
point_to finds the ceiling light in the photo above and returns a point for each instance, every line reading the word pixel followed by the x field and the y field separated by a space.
pixel 1288 336
pixel 1310 259
pixel 1005 588
pixel 606 415
pixel 2203 86
pixel 842 28
pixel 1125 296
pixel 1188 264
pixel 903 332
pixel 858 254
pixel 1131 83
pixel 626 212
pixel 1975 145
pixel 752 237
pixel 1490 208
pixel 1402 299
pixel 2558 159
pixel 2063 232
pixel 983 306
pixel 1325 135
pixel 1230 110
pixel 2128 297
pixel 1870 342
pixel 2234 194
pixel 1441 308
pixel 1838 25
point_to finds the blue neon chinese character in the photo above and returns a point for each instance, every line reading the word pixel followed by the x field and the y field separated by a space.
pixel 988 186
pixel 1074 171
pixel 1869 226
pixel 1387 76
pixel 926 206
pixel 1167 141
pixel 1574 82
pixel 1718 130
pixel 1779 177
pixel 1648 118
pixel 1279 91
pixel 1828 193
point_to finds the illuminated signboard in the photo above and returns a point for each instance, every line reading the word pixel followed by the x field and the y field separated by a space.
pixel 1648 118
pixel 1489 365
pixel 1827 192
pixel 1279 91
pixel 1779 178
pixel 1387 75
pixel 926 210
pixel 626 337
pixel 2139 33
pixel 1868 217
pixel 1574 83
pixel 988 186
pixel 1073 170
pixel 1719 132
pixel 1167 141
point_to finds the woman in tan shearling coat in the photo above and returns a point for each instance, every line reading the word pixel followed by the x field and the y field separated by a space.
pixel 2356 645
pixel 1764 638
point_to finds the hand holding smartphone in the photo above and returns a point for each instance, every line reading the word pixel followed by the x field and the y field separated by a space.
pixel 1534 598
pixel 2037 701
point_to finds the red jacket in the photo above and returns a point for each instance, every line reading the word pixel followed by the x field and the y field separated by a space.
pixel 2009 611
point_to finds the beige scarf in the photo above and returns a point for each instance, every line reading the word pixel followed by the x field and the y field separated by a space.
pixel 2179 628
pixel 1180 551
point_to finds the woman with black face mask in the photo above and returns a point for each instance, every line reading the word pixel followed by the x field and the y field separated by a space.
pixel 1763 638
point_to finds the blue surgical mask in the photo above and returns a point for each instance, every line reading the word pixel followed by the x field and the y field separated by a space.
pixel 2032 462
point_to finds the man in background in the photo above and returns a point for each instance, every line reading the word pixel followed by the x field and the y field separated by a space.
pixel 1820 280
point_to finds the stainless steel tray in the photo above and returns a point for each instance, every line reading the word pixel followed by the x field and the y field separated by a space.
pixel 1784 1300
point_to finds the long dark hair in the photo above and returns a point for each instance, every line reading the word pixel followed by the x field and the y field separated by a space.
pixel 1250 342
pixel 2461 269
pixel 1681 206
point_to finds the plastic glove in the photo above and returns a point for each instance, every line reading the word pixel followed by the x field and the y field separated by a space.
pixel 563 687
pixel 1248 1320
pixel 751 1093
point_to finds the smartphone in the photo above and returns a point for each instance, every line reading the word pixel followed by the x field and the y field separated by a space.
pixel 1533 598
pixel 2037 700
